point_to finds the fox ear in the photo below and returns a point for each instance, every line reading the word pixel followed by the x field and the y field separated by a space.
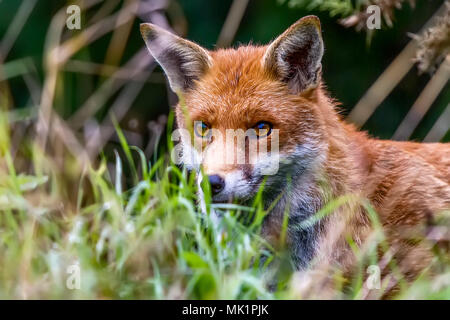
pixel 295 56
pixel 182 61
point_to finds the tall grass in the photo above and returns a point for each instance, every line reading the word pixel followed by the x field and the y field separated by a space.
pixel 148 241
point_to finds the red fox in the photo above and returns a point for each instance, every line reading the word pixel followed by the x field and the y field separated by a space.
pixel 278 89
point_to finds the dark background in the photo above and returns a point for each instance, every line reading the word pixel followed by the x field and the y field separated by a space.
pixel 350 64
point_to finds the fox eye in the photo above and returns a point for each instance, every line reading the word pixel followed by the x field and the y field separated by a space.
pixel 263 129
pixel 201 129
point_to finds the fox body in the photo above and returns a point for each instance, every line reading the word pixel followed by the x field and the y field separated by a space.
pixel 278 88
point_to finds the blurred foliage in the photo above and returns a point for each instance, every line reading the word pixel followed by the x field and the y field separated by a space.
pixel 335 7
pixel 152 242
pixel 350 67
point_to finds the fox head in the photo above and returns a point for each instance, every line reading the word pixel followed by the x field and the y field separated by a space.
pixel 251 115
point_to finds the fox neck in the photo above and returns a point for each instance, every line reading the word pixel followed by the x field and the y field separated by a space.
pixel 340 164
pixel 346 158
pixel 338 171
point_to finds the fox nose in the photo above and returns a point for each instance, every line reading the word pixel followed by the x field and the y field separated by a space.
pixel 217 183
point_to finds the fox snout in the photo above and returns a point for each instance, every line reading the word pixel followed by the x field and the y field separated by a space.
pixel 217 183
pixel 228 177
pixel 234 185
pixel 233 161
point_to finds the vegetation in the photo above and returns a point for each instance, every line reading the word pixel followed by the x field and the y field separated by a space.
pixel 149 241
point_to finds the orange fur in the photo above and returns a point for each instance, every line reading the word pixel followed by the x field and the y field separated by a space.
pixel 407 183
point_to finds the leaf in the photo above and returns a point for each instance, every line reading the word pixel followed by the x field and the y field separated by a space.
pixel 27 183
pixel 194 260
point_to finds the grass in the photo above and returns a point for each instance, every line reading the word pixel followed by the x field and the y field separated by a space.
pixel 146 242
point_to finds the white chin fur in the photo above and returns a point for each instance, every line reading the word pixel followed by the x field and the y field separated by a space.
pixel 236 187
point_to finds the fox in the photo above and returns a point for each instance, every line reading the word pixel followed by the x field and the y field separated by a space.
pixel 278 88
